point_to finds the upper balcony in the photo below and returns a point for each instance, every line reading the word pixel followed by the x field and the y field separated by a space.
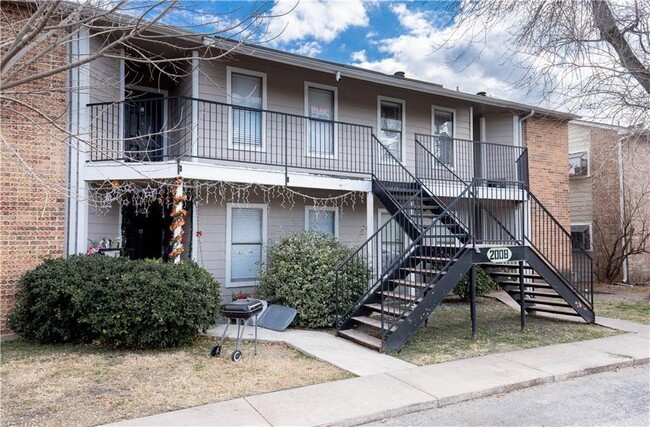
pixel 155 135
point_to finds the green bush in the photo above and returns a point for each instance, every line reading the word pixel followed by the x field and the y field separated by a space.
pixel 300 273
pixel 115 302
pixel 484 284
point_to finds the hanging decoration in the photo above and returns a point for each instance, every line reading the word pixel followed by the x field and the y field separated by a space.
pixel 178 221
pixel 104 197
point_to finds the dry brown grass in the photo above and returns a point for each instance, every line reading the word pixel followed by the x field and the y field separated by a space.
pixel 623 302
pixel 74 385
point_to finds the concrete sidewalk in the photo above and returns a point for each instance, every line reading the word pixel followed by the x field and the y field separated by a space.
pixel 395 392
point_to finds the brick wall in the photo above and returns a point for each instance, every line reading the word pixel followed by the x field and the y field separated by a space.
pixel 33 213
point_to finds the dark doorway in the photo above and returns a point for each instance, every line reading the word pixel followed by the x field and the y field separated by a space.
pixel 146 231
pixel 144 129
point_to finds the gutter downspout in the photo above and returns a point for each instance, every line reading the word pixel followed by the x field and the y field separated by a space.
pixel 521 126
pixel 621 185
pixel 525 209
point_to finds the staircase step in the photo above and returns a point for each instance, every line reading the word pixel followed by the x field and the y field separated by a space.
pixel 393 311
pixel 549 309
pixel 542 301
pixel 544 294
pixel 419 270
pixel 542 285
pixel 409 283
pixel 368 321
pixel 361 338
pixel 514 274
pixel 433 258
pixel 502 266
pixel 400 296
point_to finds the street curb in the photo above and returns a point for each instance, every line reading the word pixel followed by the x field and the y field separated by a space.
pixel 439 403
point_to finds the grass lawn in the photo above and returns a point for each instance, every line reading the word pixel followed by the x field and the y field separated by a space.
pixel 79 385
pixel 449 334
pixel 623 302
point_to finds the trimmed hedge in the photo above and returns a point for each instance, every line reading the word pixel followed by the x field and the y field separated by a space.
pixel 300 274
pixel 484 284
pixel 115 302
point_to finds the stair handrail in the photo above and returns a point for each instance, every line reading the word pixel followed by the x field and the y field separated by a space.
pixel 387 325
pixel 473 182
pixel 368 243
pixel 586 294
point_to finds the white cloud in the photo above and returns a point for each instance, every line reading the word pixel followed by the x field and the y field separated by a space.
pixel 309 49
pixel 321 20
pixel 359 56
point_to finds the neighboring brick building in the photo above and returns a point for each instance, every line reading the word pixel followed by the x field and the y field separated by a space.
pixel 33 172
pixel 608 171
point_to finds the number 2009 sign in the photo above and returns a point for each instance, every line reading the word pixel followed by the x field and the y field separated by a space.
pixel 499 254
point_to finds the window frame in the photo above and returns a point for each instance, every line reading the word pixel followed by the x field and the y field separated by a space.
pixel 335 90
pixel 229 215
pixel 588 154
pixel 589 228
pixel 325 208
pixel 435 108
pixel 229 100
pixel 402 102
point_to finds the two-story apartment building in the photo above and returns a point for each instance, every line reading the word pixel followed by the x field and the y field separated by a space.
pixel 610 198
pixel 225 156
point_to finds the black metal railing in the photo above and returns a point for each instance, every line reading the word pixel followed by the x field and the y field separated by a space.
pixel 493 163
pixel 555 245
pixel 193 128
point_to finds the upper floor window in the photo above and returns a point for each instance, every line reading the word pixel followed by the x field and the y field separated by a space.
pixel 391 125
pixel 247 90
pixel 579 164
pixel 443 131
pixel 321 107
pixel 581 234
pixel 322 220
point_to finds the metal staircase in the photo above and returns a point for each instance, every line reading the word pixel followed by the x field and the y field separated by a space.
pixel 418 256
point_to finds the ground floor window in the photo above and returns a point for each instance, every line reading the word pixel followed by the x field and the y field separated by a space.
pixel 581 234
pixel 246 237
pixel 322 220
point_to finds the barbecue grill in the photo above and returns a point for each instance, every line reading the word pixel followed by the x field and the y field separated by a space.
pixel 240 311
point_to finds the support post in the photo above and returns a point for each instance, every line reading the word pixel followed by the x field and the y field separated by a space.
pixel 522 303
pixel 472 298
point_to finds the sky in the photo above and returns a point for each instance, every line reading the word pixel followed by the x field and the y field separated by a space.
pixel 386 36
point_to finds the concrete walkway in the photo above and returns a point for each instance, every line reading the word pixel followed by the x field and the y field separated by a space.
pixel 394 392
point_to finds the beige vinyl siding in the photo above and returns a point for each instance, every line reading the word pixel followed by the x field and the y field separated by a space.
pixel 105 79
pixel 357 100
pixel 281 220
pixel 580 188
pixel 104 225
pixel 499 163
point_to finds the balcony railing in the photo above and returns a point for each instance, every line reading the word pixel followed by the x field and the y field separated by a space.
pixel 494 164
pixel 182 128
pixel 167 128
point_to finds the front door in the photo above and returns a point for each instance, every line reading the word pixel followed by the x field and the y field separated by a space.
pixel 145 231
pixel 144 126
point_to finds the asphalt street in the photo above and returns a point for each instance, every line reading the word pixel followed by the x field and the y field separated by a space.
pixel 616 398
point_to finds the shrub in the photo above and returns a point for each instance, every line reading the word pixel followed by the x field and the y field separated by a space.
pixel 300 273
pixel 484 284
pixel 115 302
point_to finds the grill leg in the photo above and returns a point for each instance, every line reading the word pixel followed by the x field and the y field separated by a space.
pixel 256 334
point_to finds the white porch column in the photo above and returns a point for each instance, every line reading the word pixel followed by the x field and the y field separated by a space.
pixel 370 214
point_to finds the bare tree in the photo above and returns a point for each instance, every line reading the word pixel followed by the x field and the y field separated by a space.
pixel 155 36
pixel 588 56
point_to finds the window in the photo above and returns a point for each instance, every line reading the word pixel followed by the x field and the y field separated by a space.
pixel 322 220
pixel 246 89
pixel 246 236
pixel 392 240
pixel 391 126
pixel 443 131
pixel 579 164
pixel 581 234
pixel 320 105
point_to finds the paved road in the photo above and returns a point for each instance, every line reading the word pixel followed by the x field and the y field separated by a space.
pixel 620 398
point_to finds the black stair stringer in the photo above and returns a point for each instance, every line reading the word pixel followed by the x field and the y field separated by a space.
pixel 559 285
pixel 432 299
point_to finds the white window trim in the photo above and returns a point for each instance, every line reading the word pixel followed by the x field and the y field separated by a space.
pixel 231 144
pixel 591 235
pixel 586 150
pixel 229 208
pixel 325 208
pixel 435 108
pixel 165 94
pixel 402 102
pixel 334 89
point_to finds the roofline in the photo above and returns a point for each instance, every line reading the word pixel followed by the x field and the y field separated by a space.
pixel 376 76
